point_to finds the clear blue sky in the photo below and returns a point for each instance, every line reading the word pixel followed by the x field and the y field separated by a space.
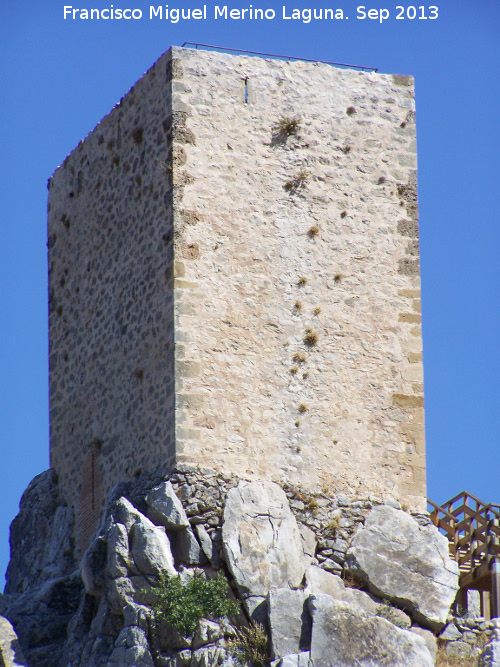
pixel 58 78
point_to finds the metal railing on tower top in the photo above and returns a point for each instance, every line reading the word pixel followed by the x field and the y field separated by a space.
pixel 211 47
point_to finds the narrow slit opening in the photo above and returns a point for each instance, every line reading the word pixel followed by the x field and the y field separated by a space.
pixel 246 90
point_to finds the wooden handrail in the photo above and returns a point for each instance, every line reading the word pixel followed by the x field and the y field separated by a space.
pixel 472 528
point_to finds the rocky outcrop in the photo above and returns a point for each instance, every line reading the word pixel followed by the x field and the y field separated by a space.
pixel 44 527
pixel 282 552
pixel 43 586
pixel 406 562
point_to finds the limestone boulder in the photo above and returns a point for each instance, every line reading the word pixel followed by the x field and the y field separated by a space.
pixel 490 655
pixel 58 556
pixel 207 632
pixel 320 581
pixel 131 649
pixel 261 542
pixel 117 550
pixel 344 635
pixel 122 511
pixel 177 659
pixel 165 509
pixel 429 639
pixel 120 593
pixel 309 542
pixel 450 633
pixel 11 654
pixel 405 562
pixel 289 621
pixel 209 548
pixel 293 660
pixel 186 548
pixel 150 548
pixel 93 566
pixel 211 656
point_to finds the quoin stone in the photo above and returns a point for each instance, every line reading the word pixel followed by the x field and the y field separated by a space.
pixel 234 283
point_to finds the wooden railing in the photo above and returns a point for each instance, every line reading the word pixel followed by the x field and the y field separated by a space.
pixel 473 531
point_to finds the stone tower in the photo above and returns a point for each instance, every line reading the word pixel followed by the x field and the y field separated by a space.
pixel 235 290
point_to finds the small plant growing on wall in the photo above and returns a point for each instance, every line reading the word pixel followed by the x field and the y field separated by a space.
pixel 337 278
pixel 350 111
pixel 298 182
pixel 303 408
pixel 287 126
pixel 312 505
pixel 302 281
pixel 137 133
pixel 165 167
pixel 317 310
pixel 311 338
pixel 298 305
pixel 299 358
pixel 313 231
pixel 332 526
pixel 343 214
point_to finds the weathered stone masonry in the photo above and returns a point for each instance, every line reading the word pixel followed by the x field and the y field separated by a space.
pixel 191 248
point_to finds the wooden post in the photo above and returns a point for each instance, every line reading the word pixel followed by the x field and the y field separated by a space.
pixel 495 588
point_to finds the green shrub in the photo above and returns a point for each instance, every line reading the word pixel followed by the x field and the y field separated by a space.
pixel 182 605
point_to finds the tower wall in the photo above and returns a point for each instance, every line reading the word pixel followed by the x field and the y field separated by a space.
pixel 192 247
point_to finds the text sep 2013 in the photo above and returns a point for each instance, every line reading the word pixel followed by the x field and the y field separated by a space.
pixel 306 15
